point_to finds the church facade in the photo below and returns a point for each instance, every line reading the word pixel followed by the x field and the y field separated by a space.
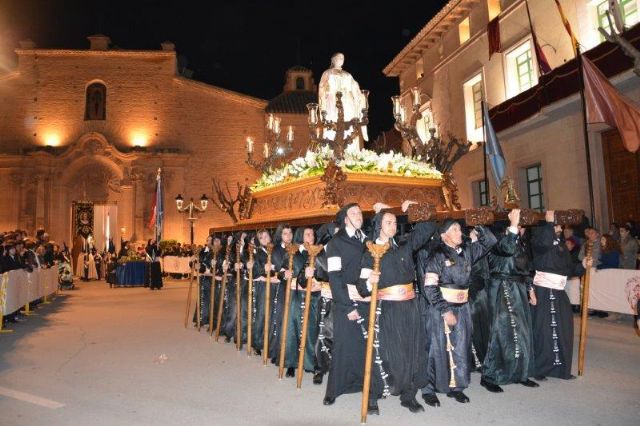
pixel 95 125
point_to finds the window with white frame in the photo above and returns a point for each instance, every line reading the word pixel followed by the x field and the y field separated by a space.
pixel 628 9
pixel 480 193
pixel 533 175
pixel 473 107
pixel 521 72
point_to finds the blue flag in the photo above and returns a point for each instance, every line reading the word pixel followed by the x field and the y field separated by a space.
pixel 493 149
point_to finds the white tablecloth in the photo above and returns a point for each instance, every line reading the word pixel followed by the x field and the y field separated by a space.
pixel 22 287
pixel 612 290
pixel 176 264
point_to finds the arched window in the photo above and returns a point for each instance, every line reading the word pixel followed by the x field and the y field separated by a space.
pixel 96 102
pixel 299 83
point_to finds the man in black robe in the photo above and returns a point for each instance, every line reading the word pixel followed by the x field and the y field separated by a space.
pixel 297 305
pixel 509 356
pixel 552 314
pixel 399 342
pixel 448 317
pixel 344 256
pixel 205 269
pixel 280 259
pixel 260 270
pixel 324 342
pixel 229 324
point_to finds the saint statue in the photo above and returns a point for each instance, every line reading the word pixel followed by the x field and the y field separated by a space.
pixel 335 80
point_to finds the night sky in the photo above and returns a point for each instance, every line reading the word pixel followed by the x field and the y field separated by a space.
pixel 240 45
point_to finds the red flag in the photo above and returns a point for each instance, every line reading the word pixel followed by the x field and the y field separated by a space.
pixel 152 221
pixel 541 59
pixel 493 32
pixel 543 64
pixel 606 105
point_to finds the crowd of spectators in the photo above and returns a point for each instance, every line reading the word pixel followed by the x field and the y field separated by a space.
pixel 21 251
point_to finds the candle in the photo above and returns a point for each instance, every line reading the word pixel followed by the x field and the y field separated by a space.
pixel 270 121
pixel 365 99
pixel 266 150
pixel 416 95
pixel 276 125
pixel 249 144
pixel 396 105
pixel 313 113
pixel 290 133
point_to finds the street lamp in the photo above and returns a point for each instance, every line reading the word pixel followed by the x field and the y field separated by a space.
pixel 192 209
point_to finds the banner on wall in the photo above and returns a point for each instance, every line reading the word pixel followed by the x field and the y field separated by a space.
pixel 83 218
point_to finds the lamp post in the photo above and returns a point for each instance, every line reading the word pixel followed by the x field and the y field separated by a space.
pixel 192 209
pixel 273 149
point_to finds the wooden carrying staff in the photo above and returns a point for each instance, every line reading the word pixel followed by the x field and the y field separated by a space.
pixel 486 215
pixel 250 300
pixel 199 299
pixel 267 304
pixel 212 296
pixel 186 315
pixel 584 312
pixel 292 249
pixel 313 251
pixel 238 294
pixel 376 251
pixel 223 287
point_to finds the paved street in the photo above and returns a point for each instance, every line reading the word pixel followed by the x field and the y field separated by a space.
pixel 101 356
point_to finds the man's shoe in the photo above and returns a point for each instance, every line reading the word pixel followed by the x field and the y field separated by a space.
pixel 328 400
pixel 257 352
pixel 490 386
pixel 458 396
pixel 541 378
pixel 290 372
pixel 529 383
pixel 317 378
pixel 572 377
pixel 227 339
pixel 431 399
pixel 372 408
pixel 413 405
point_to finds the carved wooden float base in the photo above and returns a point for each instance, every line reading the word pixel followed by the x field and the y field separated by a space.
pixel 317 199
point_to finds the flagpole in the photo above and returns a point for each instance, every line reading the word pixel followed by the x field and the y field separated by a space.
pixel 585 132
pixel 484 151
pixel 585 290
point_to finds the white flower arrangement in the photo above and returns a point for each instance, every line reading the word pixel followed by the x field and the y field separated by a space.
pixel 355 161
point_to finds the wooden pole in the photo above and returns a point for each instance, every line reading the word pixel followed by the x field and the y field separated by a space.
pixel 199 300
pixel 584 311
pixel 250 301
pixel 313 251
pixel 377 251
pixel 212 296
pixel 292 249
pixel 186 315
pixel 267 304
pixel 238 304
pixel 223 287
pixel 585 133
